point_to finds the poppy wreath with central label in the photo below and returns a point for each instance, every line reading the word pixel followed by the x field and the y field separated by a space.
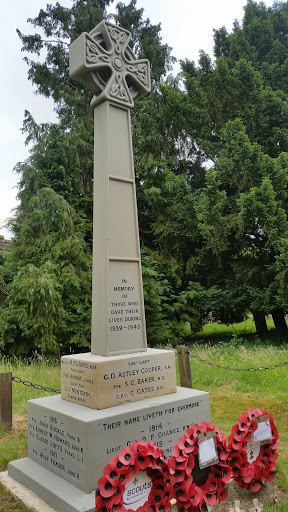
pixel 188 494
pixel 252 475
pixel 139 456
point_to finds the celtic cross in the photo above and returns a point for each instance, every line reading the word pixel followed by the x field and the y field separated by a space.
pixel 108 66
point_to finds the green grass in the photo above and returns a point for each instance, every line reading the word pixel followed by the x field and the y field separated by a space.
pixel 267 383
pixel 215 330
pixel 36 370
pixel 231 393
pixel 10 504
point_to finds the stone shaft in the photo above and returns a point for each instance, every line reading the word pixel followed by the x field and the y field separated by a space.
pixel 118 316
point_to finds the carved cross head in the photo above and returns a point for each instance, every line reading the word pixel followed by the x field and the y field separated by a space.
pixel 108 66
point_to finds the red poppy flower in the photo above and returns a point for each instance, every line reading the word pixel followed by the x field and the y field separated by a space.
pixel 223 495
pixel 244 421
pixel 236 433
pixel 248 474
pixel 178 453
pixel 251 475
pixel 176 465
pixel 256 486
pixel 140 456
pixel 107 489
pixel 127 455
pixel 195 494
pixel 178 476
pixel 210 499
pixel 188 495
pixel 270 477
pixel 210 486
pixel 101 502
pixel 186 445
pixel 191 432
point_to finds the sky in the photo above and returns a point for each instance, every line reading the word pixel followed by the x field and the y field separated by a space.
pixel 187 26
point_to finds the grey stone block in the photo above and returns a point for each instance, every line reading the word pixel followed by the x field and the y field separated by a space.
pixel 69 445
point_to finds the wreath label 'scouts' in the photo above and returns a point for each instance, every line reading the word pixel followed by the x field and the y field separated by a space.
pixel 137 479
pixel 137 491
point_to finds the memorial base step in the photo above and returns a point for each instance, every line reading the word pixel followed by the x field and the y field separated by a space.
pixel 75 443
pixel 52 489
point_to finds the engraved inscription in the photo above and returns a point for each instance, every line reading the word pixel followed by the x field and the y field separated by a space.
pixel 114 381
pixel 77 378
pixel 126 316
pixel 140 380
pixel 163 427
pixel 52 444
pixel 125 313
pixel 69 446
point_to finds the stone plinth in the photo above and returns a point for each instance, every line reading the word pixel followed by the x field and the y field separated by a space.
pixel 75 442
pixel 100 382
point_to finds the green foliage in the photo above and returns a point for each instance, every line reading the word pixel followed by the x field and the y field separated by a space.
pixel 156 290
pixel 48 275
pixel 34 307
pixel 48 279
pixel 211 166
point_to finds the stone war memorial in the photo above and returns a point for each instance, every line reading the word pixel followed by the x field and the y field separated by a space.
pixel 121 391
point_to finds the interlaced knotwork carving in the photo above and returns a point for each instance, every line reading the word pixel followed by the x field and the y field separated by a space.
pixel 109 67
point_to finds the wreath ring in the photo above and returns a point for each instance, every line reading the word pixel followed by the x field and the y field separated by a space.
pixel 139 456
pixel 188 494
pixel 252 475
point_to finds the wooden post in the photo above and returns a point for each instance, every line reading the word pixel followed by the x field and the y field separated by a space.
pixel 184 367
pixel 6 399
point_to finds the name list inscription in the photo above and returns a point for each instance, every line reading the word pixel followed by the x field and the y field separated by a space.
pixel 115 382
pixel 78 449
pixel 52 444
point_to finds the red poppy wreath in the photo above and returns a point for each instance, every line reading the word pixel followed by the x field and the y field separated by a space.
pixel 136 480
pixel 189 495
pixel 252 454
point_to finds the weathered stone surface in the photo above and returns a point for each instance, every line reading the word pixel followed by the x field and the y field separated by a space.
pixel 76 442
pixel 56 493
pixel 101 382
pixel 106 49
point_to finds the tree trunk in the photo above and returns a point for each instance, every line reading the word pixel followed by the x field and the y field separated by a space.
pixel 279 320
pixel 260 322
